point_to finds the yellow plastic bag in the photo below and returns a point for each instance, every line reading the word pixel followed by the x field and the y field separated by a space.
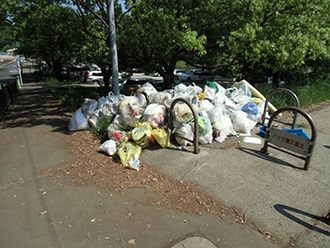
pixel 128 153
pixel 162 136
pixel 141 135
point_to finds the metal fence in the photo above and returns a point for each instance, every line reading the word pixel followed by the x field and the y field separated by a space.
pixel 7 94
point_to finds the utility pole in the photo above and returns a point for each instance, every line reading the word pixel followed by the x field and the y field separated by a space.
pixel 113 48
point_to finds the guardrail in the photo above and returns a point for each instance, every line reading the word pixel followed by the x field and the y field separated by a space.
pixel 7 94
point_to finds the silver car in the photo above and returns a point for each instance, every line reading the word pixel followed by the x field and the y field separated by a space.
pixel 204 76
pixel 95 77
pixel 187 76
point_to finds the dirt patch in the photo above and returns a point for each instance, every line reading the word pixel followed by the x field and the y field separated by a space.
pixel 317 106
pixel 107 172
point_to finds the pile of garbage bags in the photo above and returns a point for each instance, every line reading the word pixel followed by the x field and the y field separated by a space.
pixel 142 119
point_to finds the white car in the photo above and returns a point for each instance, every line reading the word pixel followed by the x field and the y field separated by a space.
pixel 204 76
pixel 187 76
pixel 177 73
pixel 94 77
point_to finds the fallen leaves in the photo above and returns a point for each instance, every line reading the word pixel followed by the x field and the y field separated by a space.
pixel 132 242
pixel 42 213
pixel 92 167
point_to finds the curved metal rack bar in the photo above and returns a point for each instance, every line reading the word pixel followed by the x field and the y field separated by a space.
pixel 195 141
pixel 310 142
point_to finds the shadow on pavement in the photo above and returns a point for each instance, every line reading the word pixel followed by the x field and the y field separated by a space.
pixel 285 211
pixel 35 106
pixel 261 155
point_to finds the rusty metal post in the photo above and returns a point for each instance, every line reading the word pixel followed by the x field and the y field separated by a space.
pixel 195 141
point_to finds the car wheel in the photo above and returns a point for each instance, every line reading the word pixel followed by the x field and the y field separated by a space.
pixel 188 80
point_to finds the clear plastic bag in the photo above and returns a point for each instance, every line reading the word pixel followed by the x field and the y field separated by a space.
pixel 155 114
pixel 115 130
pixel 78 121
pixel 130 110
pixel 150 90
pixel 109 108
pixel 217 112
pixel 89 107
pixel 205 106
pixel 206 138
pixel 204 125
pixel 182 113
pixel 186 132
pixel 161 97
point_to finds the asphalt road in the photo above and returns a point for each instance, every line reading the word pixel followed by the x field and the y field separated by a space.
pixel 8 72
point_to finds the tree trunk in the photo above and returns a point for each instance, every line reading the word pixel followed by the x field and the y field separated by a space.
pixel 276 78
pixel 106 78
pixel 167 81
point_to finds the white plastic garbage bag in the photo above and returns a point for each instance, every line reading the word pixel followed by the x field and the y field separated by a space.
pixel 148 89
pixel 186 132
pixel 108 147
pixel 241 122
pixel 78 121
pixel 130 110
pixel 155 114
pixel 161 97
pixel 205 106
pixel 209 92
pixel 224 124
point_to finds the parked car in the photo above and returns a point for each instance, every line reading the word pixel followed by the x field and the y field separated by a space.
pixel 94 77
pixel 177 73
pixel 77 73
pixel 186 77
pixel 127 83
pixel 202 77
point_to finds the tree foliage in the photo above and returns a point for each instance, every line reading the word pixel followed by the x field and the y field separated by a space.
pixel 235 36
pixel 240 38
pixel 50 33
pixel 6 30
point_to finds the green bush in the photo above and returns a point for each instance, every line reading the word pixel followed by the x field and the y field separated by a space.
pixel 101 130
pixel 74 96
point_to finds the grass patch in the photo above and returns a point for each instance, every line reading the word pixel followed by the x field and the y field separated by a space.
pixel 314 92
pixel 101 130
pixel 74 96
pixel 52 80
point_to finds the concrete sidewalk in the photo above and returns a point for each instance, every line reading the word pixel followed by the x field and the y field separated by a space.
pixel 40 209
pixel 272 191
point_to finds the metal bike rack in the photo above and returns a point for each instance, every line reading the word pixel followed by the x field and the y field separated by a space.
pixel 195 141
pixel 285 91
pixel 288 141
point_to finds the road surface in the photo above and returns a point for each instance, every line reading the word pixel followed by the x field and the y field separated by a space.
pixel 8 73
